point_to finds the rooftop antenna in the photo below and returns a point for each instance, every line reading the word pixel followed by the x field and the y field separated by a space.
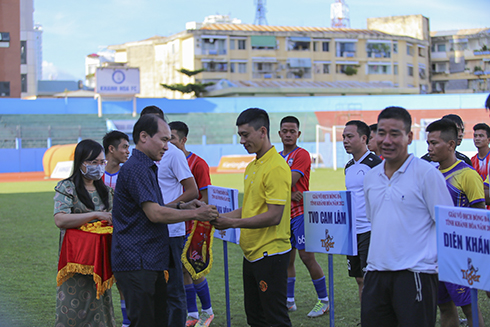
pixel 339 13
pixel 260 13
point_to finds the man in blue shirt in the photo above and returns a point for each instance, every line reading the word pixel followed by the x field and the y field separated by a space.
pixel 140 252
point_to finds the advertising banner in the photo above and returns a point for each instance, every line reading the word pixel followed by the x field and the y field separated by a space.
pixel 225 200
pixel 234 163
pixel 463 246
pixel 330 225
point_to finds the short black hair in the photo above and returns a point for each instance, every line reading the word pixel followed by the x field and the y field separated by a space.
pixel 146 123
pixel 483 126
pixel 255 117
pixel 152 110
pixel 397 113
pixel 447 127
pixel 113 138
pixel 289 119
pixel 373 128
pixel 487 103
pixel 181 128
pixel 455 118
pixel 362 128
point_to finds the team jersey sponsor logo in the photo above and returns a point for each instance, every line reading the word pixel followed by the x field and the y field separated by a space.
pixel 327 242
pixel 470 274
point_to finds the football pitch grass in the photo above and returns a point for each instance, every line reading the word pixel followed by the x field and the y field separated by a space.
pixel 29 249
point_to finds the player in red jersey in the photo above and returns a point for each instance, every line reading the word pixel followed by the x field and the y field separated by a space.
pixel 200 170
pixel 481 138
pixel 299 161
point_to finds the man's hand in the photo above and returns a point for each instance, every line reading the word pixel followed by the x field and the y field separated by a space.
pixel 223 222
pixel 206 213
pixel 107 216
pixel 193 204
pixel 296 196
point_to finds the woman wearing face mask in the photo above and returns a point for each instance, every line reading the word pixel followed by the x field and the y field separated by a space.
pixel 82 211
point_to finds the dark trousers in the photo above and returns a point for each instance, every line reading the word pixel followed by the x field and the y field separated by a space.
pixel 399 299
pixel 265 289
pixel 176 297
pixel 145 292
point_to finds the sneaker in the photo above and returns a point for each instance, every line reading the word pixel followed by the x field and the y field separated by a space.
pixel 320 309
pixel 191 321
pixel 204 319
pixel 292 306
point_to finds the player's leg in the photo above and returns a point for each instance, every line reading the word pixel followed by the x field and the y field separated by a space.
pixel 291 274
pixel 461 297
pixel 447 308
pixel 126 321
pixel 202 290
pixel 190 292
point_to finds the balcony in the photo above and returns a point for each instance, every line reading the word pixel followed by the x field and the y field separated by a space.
pixel 481 52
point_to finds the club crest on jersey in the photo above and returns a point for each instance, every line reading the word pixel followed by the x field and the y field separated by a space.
pixel 222 233
pixel 327 242
pixel 470 273
pixel 290 162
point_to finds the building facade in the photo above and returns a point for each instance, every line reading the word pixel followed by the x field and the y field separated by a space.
pixel 315 60
pixel 460 61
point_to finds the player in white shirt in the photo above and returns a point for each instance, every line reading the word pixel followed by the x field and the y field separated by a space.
pixel 356 136
pixel 401 284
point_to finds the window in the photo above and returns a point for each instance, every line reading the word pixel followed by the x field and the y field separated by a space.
pixel 23 82
pixel 378 50
pixel 298 43
pixel 232 67
pixel 242 68
pixel 4 89
pixel 325 46
pixel 212 66
pixel 410 70
pixel 263 67
pixel 315 46
pixel 5 42
pixel 346 69
pixel 263 42
pixel 23 52
pixel 409 49
pixel 439 47
pixel 395 69
pixel 214 46
pixel 395 47
pixel 422 73
pixel 379 69
pixel 421 52
pixel 241 44
pixel 439 67
pixel 326 68
pixel 232 44
pixel 346 49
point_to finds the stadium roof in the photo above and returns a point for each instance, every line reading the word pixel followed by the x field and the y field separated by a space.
pixel 469 31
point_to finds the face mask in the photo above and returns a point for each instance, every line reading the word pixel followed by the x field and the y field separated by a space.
pixel 93 172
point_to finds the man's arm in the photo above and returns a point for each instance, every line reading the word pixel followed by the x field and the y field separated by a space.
pixel 271 217
pixel 479 205
pixel 487 196
pixel 159 214
pixel 204 195
pixel 296 195
pixel 190 191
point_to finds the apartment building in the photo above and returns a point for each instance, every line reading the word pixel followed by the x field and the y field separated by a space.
pixel 260 60
pixel 460 61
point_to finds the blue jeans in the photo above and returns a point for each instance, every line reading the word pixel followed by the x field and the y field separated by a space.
pixel 176 298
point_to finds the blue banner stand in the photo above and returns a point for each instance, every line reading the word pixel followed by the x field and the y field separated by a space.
pixel 227 284
pixel 474 307
pixel 330 290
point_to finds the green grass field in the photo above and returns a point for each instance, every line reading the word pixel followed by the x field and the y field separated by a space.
pixel 29 248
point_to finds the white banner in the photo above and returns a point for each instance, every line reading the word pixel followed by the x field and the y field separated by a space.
pixel 225 200
pixel 117 81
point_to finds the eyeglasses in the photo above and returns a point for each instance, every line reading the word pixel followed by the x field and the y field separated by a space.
pixel 97 162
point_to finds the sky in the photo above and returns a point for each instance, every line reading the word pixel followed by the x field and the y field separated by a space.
pixel 74 29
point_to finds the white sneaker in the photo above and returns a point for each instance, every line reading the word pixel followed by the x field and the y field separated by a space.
pixel 292 306
pixel 319 309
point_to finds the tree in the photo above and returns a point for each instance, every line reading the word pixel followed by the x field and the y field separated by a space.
pixel 197 88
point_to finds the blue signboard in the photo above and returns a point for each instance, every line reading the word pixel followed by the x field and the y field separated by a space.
pixel 330 222
pixel 463 246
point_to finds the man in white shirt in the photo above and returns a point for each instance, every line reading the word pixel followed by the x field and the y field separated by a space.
pixel 401 284
pixel 174 176
pixel 356 136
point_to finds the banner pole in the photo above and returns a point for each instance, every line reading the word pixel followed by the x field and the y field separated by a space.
pixel 227 284
pixel 474 307
pixel 330 290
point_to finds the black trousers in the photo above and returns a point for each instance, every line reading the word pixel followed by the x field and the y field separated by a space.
pixel 265 290
pixel 145 292
pixel 399 299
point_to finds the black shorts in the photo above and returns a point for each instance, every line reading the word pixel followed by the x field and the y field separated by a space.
pixel 399 298
pixel 357 264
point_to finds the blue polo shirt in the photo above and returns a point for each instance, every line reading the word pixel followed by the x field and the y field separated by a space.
pixel 138 243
